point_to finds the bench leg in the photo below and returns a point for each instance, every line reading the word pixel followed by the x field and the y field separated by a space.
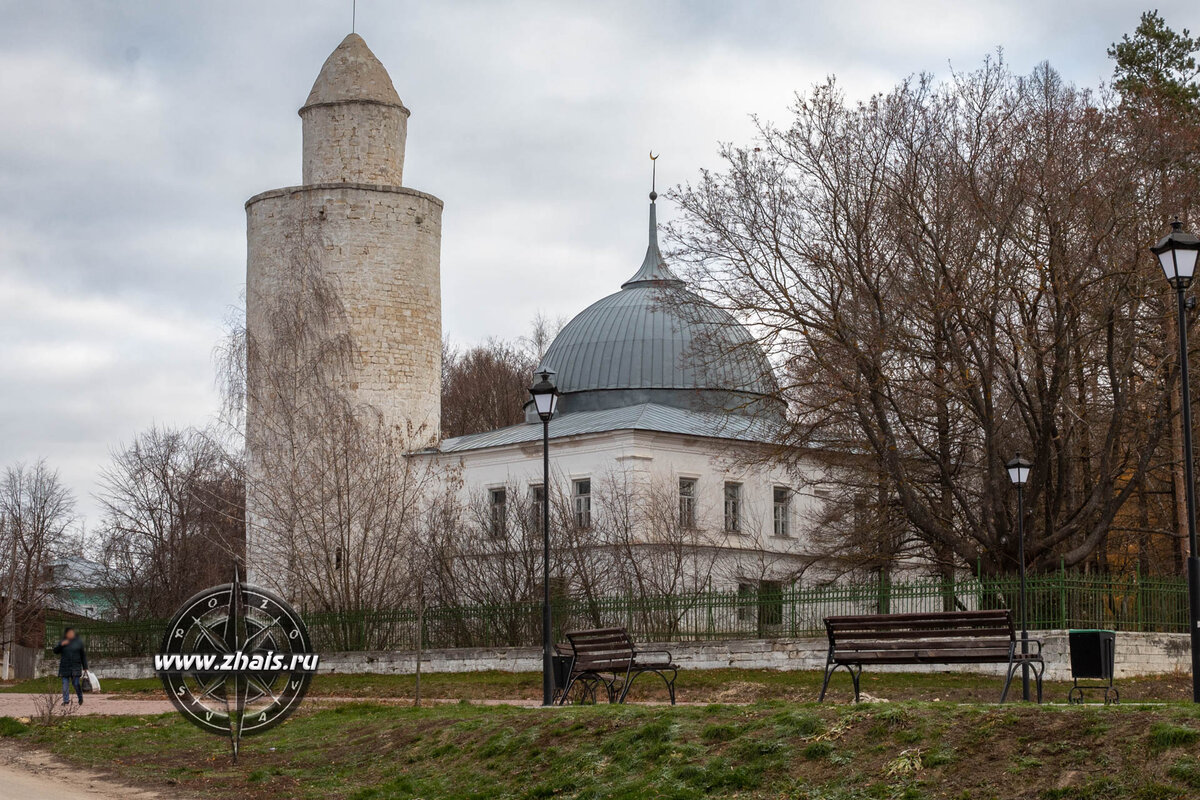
pixel 587 683
pixel 566 690
pixel 670 682
pixel 1039 669
pixel 854 678
pixel 610 688
pixel 829 668
pixel 1012 669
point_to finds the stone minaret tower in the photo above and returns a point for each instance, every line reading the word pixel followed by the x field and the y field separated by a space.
pixel 379 241
pixel 375 240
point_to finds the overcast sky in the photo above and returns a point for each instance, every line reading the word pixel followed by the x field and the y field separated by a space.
pixel 131 134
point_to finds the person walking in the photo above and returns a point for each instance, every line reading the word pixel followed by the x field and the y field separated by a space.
pixel 72 664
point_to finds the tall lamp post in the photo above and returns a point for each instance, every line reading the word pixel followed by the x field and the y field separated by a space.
pixel 1018 473
pixel 545 401
pixel 1176 254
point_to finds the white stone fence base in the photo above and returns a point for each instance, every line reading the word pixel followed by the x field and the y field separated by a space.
pixel 1137 654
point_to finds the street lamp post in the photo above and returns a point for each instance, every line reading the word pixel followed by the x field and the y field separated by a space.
pixel 545 401
pixel 1018 473
pixel 1176 254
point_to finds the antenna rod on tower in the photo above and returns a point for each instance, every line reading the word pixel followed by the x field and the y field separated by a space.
pixel 353 14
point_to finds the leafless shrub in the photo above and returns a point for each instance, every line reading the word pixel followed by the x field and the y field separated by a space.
pixel 48 708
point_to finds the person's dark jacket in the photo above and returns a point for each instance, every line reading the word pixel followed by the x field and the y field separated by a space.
pixel 72 660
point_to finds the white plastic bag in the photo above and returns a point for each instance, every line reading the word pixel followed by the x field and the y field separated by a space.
pixel 93 681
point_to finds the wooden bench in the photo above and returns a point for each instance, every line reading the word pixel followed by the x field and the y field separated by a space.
pixel 952 637
pixel 608 657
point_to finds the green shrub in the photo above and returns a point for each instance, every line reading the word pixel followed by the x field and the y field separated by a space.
pixel 793 724
pixel 1102 789
pixel 893 717
pixel 1164 736
pixel 718 733
pixel 817 750
pixel 1157 791
pixel 938 757
pixel 12 727
pixel 1186 771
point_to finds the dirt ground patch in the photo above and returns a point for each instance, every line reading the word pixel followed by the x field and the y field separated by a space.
pixel 30 774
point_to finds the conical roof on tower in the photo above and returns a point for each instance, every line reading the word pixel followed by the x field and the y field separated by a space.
pixel 353 74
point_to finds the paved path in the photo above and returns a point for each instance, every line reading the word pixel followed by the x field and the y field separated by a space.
pixel 24 705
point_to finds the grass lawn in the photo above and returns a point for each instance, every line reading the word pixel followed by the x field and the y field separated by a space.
pixel 695 686
pixel 776 749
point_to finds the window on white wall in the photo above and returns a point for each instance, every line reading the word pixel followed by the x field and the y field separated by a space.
pixel 537 494
pixel 583 502
pixel 499 508
pixel 783 510
pixel 687 502
pixel 733 507
pixel 745 604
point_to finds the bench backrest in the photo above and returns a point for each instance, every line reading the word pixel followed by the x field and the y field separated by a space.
pixel 941 626
pixel 601 646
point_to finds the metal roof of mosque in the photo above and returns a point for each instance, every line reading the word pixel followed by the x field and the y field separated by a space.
pixel 656 335
pixel 642 417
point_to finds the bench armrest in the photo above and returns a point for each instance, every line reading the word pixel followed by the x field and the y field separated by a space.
pixel 1039 642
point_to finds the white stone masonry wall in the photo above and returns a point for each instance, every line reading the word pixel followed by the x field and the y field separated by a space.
pixel 1137 654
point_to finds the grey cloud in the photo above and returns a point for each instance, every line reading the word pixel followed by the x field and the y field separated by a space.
pixel 133 132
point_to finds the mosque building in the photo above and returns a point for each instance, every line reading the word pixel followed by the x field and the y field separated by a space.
pixel 661 391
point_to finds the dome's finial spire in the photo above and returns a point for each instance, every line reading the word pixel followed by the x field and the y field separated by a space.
pixel 653 175
pixel 654 269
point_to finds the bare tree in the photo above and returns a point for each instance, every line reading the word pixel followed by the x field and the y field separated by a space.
pixel 173 521
pixel 630 543
pixel 484 387
pixel 946 274
pixel 542 332
pixel 333 498
pixel 36 511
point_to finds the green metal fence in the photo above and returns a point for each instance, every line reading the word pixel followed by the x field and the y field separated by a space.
pixel 1056 601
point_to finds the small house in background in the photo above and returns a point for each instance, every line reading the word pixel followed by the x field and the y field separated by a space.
pixel 78 588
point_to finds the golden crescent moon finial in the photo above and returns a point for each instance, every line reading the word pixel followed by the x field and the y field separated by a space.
pixel 654 157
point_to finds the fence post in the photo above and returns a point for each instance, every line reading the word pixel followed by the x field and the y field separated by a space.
pixel 1062 592
pixel 1137 595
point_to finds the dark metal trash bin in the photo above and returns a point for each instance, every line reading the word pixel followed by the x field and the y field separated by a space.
pixel 561 671
pixel 1093 656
